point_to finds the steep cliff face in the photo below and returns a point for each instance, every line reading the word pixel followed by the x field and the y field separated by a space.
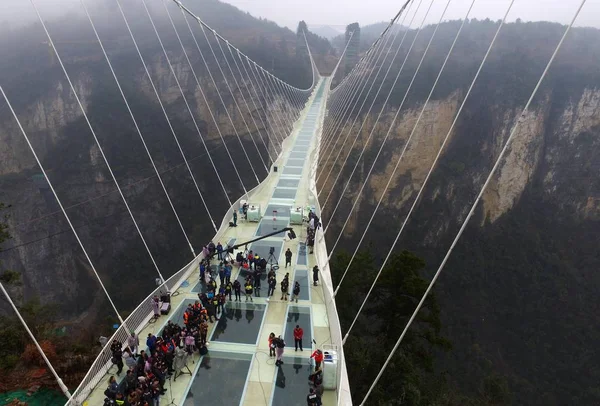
pixel 45 252
pixel 541 205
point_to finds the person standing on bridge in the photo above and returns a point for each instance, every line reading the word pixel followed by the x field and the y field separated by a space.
pixel 235 218
pixel 288 258
pixel 296 291
pixel 318 356
pixel 249 290
pixel 133 341
pixel 279 346
pixel 285 284
pixel 219 251
pixel 237 289
pixel 315 275
pixel 312 399
pixel 298 334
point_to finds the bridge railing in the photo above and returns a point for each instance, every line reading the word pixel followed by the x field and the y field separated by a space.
pixel 140 317
pixel 136 321
pixel 321 254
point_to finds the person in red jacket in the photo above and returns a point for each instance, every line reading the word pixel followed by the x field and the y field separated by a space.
pixel 318 356
pixel 298 334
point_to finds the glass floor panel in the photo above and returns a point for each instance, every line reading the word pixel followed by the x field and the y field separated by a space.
pixel 302 277
pixel 240 323
pixel 176 316
pixel 262 248
pixel 297 155
pixel 302 254
pixel 283 182
pixel 285 193
pixel 214 270
pixel 282 210
pixel 292 171
pixel 267 226
pixel 295 162
pixel 298 315
pixel 291 381
pixel 219 371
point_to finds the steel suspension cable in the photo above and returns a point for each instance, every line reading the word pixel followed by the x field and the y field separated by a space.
pixel 60 382
pixel 346 97
pixel 280 96
pixel 267 112
pixel 341 58
pixel 383 33
pixel 222 102
pixel 272 160
pixel 189 12
pixel 207 106
pixel 273 98
pixel 187 105
pixel 337 106
pixel 358 83
pixel 85 253
pixel 352 100
pixel 264 100
pixel 126 21
pixel 235 102
pixel 475 203
pixel 398 163
pixel 383 143
pixel 412 81
pixel 362 104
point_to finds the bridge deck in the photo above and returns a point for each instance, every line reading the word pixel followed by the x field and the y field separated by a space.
pixel 238 369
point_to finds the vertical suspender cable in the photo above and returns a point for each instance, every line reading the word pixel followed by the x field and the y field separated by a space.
pixel 483 61
pixel 355 94
pixel 237 134
pixel 348 108
pixel 269 97
pixel 245 101
pixel 187 105
pixel 381 149
pixel 211 114
pixel 234 98
pixel 412 81
pixel 262 101
pixel 56 195
pixel 475 203
pixel 206 101
pixel 169 124
pixel 364 100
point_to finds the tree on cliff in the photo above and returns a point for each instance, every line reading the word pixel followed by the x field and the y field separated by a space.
pixel 408 378
pixel 6 276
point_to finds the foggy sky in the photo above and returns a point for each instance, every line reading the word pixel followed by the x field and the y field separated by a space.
pixel 342 12
pixel 338 13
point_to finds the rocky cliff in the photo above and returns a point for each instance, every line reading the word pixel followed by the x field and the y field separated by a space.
pixel 43 248
pixel 517 295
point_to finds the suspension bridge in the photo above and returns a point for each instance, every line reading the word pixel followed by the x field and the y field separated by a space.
pixel 296 144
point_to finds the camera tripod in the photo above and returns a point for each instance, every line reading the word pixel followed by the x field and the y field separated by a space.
pixel 272 261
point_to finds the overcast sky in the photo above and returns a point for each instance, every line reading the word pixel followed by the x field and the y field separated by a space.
pixel 342 12
pixel 339 13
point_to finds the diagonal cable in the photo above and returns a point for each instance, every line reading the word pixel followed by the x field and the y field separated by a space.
pixel 89 260
pixel 364 101
pixel 475 203
pixel 381 149
pixel 412 81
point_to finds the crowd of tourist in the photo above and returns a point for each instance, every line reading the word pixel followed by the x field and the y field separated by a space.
pixel 166 355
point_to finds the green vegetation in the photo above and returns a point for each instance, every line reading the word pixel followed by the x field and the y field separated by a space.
pixel 413 376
